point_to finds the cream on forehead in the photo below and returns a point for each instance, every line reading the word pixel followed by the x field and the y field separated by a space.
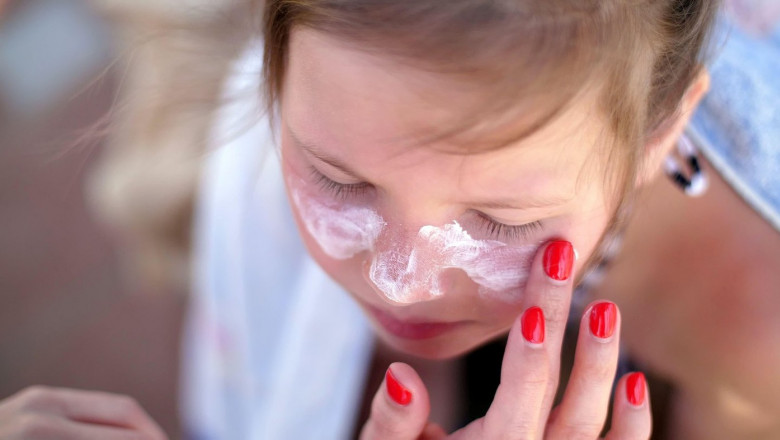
pixel 413 275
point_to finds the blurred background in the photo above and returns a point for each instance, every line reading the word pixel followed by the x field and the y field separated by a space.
pixel 75 311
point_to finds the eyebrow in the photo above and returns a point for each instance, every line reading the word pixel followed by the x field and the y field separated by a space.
pixel 323 157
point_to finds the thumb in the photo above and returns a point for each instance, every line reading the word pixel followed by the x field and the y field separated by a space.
pixel 400 408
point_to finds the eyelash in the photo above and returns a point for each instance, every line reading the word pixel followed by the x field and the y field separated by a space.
pixel 339 190
pixel 508 232
pixel 493 228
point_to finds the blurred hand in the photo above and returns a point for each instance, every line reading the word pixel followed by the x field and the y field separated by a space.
pixel 44 413
pixel 522 407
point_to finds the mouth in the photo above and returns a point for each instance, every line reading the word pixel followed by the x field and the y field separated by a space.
pixel 411 329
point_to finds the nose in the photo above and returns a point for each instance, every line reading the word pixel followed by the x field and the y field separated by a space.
pixel 396 276
pixel 404 268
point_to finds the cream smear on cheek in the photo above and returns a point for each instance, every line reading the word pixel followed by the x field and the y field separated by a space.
pixel 340 229
pixel 408 272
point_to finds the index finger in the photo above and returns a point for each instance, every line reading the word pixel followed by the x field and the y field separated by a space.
pixel 549 287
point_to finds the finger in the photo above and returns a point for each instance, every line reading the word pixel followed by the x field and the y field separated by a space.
pixel 53 427
pixel 96 407
pixel 400 408
pixel 516 408
pixel 583 410
pixel 549 286
pixel 433 431
pixel 631 418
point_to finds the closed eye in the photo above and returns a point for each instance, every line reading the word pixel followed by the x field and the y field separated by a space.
pixel 493 228
pixel 502 231
pixel 341 191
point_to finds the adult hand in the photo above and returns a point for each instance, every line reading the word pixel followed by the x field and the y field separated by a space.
pixel 522 406
pixel 40 412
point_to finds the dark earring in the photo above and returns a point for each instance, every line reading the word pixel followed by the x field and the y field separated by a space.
pixel 697 183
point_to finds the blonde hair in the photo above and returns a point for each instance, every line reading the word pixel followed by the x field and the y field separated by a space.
pixel 643 55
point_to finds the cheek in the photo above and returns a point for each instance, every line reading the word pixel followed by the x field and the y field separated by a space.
pixel 346 272
pixel 340 230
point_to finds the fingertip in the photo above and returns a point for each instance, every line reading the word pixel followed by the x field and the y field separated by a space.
pixel 601 320
pixel 632 417
pixel 636 389
pixel 403 386
pixel 397 392
pixel 558 260
pixel 400 407
pixel 532 326
pixel 550 280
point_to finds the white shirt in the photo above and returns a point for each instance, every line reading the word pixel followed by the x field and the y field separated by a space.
pixel 273 348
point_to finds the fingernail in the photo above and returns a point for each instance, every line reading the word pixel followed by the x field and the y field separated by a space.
pixel 532 325
pixel 635 388
pixel 397 392
pixel 558 260
pixel 602 319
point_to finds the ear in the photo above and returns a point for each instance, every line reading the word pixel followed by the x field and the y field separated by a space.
pixel 666 136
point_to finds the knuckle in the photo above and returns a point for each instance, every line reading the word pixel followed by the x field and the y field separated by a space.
pixel 535 377
pixel 128 407
pixel 556 319
pixel 600 366
pixel 32 426
pixel 580 430
pixel 517 429
pixel 35 396
pixel 558 305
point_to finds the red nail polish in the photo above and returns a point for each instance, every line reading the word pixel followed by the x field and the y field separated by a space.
pixel 559 260
pixel 602 319
pixel 397 392
pixel 532 325
pixel 635 388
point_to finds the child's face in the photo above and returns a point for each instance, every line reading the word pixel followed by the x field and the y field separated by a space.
pixel 409 230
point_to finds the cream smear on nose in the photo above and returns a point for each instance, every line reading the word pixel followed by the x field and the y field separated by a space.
pixel 413 275
pixel 410 271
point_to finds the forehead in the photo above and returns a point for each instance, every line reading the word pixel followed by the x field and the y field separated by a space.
pixel 375 111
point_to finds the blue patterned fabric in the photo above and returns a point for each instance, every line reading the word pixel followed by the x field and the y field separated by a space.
pixel 737 126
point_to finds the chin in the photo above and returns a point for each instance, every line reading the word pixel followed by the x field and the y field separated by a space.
pixel 439 348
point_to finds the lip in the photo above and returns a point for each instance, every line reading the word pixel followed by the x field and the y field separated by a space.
pixel 410 329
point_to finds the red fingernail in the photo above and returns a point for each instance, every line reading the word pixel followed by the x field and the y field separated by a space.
pixel 532 325
pixel 559 260
pixel 602 319
pixel 397 392
pixel 635 388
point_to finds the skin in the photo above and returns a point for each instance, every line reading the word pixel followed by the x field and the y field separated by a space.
pixel 358 119
pixel 47 412
pixel 367 114
pixel 709 325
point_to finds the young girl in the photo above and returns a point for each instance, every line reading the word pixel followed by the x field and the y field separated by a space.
pixel 454 169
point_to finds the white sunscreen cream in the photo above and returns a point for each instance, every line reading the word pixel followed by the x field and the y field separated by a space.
pixel 413 275
pixel 341 230
pixel 408 271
